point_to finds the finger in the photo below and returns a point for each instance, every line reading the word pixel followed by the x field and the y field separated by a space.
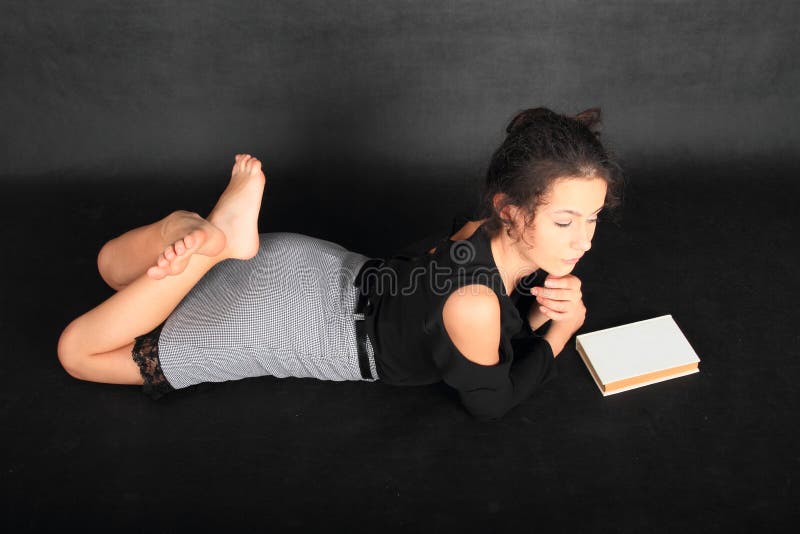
pixel 555 305
pixel 552 281
pixel 155 272
pixel 555 294
pixel 552 314
pixel 569 281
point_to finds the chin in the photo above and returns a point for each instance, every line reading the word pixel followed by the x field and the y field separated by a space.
pixel 563 269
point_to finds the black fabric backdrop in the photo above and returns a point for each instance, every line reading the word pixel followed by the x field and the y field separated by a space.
pixel 375 123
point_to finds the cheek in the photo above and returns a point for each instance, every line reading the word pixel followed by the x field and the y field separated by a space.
pixel 547 241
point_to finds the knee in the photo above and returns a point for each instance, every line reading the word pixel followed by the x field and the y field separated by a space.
pixel 104 261
pixel 69 354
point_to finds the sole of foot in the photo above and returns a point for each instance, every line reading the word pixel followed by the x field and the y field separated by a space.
pixel 236 211
pixel 186 233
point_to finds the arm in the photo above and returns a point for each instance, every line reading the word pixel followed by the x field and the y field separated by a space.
pixel 536 318
pixel 561 300
pixel 558 335
pixel 487 387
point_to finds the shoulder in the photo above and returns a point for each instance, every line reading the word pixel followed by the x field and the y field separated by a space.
pixel 471 317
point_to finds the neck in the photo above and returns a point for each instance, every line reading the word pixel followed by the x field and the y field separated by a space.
pixel 512 266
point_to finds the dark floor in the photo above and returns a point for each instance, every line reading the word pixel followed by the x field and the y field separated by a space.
pixel 713 245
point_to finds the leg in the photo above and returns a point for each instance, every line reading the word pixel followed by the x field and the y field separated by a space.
pixel 96 345
pixel 125 258
pixel 132 311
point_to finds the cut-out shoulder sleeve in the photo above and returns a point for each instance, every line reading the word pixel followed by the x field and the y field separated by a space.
pixel 413 345
pixel 488 392
pixel 471 317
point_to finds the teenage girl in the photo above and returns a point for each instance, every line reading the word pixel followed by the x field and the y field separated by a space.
pixel 210 299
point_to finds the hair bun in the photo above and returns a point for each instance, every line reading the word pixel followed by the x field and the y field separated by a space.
pixel 525 118
pixel 590 118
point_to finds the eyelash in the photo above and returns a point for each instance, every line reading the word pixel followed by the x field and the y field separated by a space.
pixel 566 225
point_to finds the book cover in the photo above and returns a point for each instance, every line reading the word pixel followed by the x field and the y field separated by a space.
pixel 637 354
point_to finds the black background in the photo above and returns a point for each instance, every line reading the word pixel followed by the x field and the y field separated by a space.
pixel 375 123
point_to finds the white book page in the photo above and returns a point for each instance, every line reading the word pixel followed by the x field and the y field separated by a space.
pixel 637 348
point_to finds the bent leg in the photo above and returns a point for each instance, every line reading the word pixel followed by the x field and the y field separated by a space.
pixel 110 328
pixel 112 367
pixel 97 345
pixel 123 259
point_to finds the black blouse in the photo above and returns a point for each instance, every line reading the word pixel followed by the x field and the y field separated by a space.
pixel 412 347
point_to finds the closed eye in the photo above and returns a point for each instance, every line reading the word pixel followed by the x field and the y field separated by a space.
pixel 567 224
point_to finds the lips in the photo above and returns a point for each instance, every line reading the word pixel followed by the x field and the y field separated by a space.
pixel 573 260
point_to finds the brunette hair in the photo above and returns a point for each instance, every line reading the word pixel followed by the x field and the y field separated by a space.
pixel 541 147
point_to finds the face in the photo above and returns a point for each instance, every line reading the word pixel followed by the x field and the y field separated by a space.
pixel 564 225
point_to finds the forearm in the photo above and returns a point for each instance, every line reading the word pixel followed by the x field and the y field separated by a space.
pixel 536 318
pixel 558 335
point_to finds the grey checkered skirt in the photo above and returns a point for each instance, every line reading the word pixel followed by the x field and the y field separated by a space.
pixel 287 312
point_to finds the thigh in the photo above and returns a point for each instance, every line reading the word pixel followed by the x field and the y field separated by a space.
pixel 114 367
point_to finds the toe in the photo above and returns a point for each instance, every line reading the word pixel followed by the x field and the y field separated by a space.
pixel 179 247
pixel 197 238
pixel 155 273
pixel 188 241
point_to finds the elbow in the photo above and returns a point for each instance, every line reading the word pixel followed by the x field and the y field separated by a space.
pixel 487 414
pixel 487 417
pixel 486 404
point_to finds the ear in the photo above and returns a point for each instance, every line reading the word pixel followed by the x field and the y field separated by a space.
pixel 512 213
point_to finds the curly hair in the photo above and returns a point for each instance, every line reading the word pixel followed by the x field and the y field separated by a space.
pixel 541 147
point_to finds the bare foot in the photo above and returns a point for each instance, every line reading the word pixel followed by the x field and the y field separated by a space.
pixel 185 233
pixel 236 211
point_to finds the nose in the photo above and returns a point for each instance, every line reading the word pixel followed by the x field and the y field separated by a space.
pixel 583 240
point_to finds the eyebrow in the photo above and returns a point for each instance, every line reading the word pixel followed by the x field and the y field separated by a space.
pixel 571 212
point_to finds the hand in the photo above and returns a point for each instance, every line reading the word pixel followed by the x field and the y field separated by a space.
pixel 561 300
pixel 536 318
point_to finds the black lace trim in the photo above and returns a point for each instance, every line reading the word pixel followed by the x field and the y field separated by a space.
pixel 145 354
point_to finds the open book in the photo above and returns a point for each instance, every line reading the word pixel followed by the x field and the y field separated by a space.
pixel 637 354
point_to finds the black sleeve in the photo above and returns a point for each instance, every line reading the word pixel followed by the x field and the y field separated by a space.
pixel 489 392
